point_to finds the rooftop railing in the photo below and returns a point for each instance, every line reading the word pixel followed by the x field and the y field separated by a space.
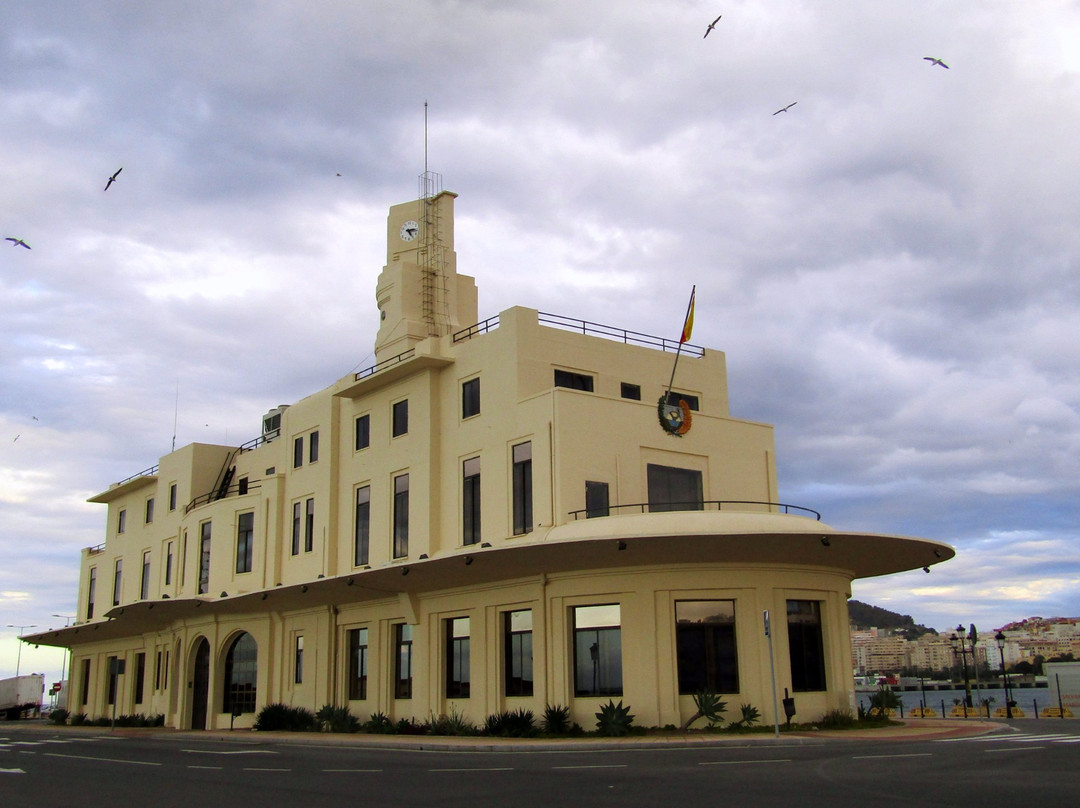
pixel 691 505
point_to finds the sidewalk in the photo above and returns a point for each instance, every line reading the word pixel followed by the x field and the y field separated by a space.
pixel 905 730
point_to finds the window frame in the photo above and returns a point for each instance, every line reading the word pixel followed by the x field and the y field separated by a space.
pixel 401 516
pixel 362 432
pixel 309 524
pixel 515 653
pixel 470 398
pixel 470 501
pixel 362 518
pixel 706 651
pixel 399 418
pixel 606 658
pixel 245 541
pixel 205 534
pixel 358 663
pixel 806 647
pixel 403 660
pixel 457 636
pixel 522 488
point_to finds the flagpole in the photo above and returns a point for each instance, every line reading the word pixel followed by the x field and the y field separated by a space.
pixel 682 338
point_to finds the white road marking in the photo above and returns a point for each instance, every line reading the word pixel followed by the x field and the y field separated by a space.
pixel 910 754
pixel 257 769
pixel 601 766
pixel 363 771
pixel 103 759
pixel 232 752
pixel 1015 749
pixel 12 771
pixel 493 769
pixel 741 762
pixel 215 768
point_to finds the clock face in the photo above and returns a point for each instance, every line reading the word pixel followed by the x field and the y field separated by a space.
pixel 409 231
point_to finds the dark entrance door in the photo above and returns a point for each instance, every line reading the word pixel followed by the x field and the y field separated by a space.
pixel 200 685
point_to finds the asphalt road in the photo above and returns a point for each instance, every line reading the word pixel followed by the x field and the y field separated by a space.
pixel 1034 763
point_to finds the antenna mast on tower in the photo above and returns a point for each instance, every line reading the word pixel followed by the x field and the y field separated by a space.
pixel 432 253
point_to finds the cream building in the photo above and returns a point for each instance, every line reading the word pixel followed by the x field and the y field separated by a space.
pixel 490 518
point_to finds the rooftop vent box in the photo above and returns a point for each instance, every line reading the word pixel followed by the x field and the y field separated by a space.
pixel 271 422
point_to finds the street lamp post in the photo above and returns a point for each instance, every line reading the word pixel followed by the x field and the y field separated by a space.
pixel 18 657
pixel 67 618
pixel 957 639
pixel 1000 638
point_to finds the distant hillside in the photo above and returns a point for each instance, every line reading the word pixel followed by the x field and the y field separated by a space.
pixel 864 616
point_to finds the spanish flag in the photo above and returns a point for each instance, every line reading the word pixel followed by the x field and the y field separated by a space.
pixel 688 324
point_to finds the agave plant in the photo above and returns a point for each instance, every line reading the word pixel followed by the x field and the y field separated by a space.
pixel 556 719
pixel 708 707
pixel 613 719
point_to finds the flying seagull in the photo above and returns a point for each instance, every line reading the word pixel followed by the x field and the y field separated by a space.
pixel 936 61
pixel 17 242
pixel 712 25
pixel 785 109
pixel 112 179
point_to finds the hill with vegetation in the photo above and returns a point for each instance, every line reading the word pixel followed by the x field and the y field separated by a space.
pixel 864 616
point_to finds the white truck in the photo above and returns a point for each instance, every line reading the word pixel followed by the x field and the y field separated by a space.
pixel 20 696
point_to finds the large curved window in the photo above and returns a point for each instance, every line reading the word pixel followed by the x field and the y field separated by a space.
pixel 241 671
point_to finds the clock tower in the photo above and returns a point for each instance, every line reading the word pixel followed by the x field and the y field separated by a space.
pixel 419 292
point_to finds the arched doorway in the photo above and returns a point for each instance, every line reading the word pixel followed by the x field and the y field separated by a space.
pixel 200 684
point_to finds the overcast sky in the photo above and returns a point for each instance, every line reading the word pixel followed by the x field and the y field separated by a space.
pixel 892 265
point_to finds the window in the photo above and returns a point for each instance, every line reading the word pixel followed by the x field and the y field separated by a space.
pixel 470 501
pixel 675 398
pixel 575 381
pixel 204 558
pixel 363 432
pixel 705 646
pixel 401 516
pixel 805 645
pixel 242 486
pixel 298 660
pixel 157 671
pixel 522 485
pixel 298 452
pixel 168 563
pixel 183 558
pixel 597 651
pixel 241 674
pixel 358 663
pixel 403 661
pixel 140 677
pixel 596 499
pixel 631 391
pixel 517 642
pixel 470 398
pixel 144 584
pixel 245 540
pixel 296 528
pixel 674 489
pixel 362 529
pixel 309 525
pixel 85 687
pixel 91 593
pixel 172 497
pixel 110 686
pixel 401 418
pixel 457 658
pixel 313 447
pixel 121 521
pixel 149 513
pixel 118 572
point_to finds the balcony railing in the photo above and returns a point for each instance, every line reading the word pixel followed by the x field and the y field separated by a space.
pixel 213 496
pixel 693 505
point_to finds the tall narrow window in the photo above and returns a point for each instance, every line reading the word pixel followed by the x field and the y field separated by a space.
pixel 91 593
pixel 805 645
pixel 140 677
pixel 157 670
pixel 358 663
pixel 121 521
pixel 403 661
pixel 596 499
pixel 313 447
pixel 172 496
pixel 597 651
pixel 517 643
pixel 84 695
pixel 296 521
pixel 401 516
pixel 241 675
pixel 705 646
pixel 470 501
pixel 400 418
pixel 457 658
pixel 144 583
pixel 149 514
pixel 522 485
pixel 110 686
pixel 204 558
pixel 298 660
pixel 470 398
pixel 298 452
pixel 183 558
pixel 245 540
pixel 362 526
pixel 363 432
pixel 674 489
pixel 117 581
pixel 309 525
pixel 168 563
pixel 242 487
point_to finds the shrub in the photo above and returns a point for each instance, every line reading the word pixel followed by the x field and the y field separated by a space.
pixel 336 719
pixel 556 719
pixel 882 701
pixel 750 716
pixel 378 723
pixel 78 720
pixel 837 719
pixel 516 724
pixel 614 720
pixel 59 716
pixel 409 726
pixel 282 717
pixel 453 723
pixel 709 707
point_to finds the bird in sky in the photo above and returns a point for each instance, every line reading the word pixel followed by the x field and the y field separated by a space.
pixel 785 109
pixel 112 179
pixel 934 60
pixel 17 242
pixel 712 25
